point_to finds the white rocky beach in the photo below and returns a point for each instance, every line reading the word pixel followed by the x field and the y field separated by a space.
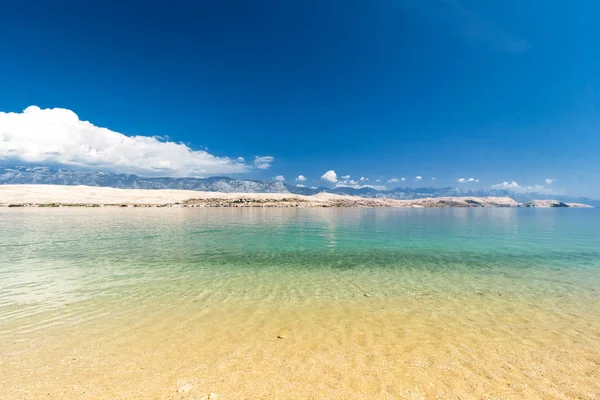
pixel 87 196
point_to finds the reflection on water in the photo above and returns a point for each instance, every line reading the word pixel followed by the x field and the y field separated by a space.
pixel 371 303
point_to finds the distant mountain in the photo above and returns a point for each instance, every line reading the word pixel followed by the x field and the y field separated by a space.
pixel 420 193
pixel 58 176
pixel 53 176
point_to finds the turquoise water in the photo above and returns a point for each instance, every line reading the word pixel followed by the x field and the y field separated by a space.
pixel 71 271
pixel 65 255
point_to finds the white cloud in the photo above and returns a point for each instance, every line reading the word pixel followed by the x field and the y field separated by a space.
pixel 346 177
pixel 313 187
pixel 330 176
pixel 549 181
pixel 300 185
pixel 393 180
pixel 515 187
pixel 506 185
pixel 279 178
pixel 263 162
pixel 58 136
pixel 465 180
pixel 377 180
pixel 403 179
pixel 433 179
pixel 345 182
pixel 356 185
pixel 362 178
pixel 301 178
pixel 418 178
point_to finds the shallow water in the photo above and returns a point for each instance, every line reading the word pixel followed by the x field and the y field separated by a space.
pixel 369 303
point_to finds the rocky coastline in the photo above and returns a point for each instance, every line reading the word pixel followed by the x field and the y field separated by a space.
pixel 51 196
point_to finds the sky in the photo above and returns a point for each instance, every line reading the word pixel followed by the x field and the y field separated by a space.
pixel 502 93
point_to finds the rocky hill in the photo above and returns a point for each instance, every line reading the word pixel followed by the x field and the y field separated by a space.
pixel 58 176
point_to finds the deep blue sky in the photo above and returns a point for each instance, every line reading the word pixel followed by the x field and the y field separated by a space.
pixel 499 90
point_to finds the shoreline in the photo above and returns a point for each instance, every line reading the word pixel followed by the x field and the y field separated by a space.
pixel 49 196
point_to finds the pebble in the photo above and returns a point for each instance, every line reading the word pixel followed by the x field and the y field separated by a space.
pixel 280 337
pixel 185 388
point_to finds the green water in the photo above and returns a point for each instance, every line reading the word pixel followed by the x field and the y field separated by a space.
pixel 49 257
pixel 372 303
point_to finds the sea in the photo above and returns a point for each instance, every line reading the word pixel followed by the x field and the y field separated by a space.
pixel 315 303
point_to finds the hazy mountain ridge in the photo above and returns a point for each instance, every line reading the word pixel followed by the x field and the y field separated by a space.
pixel 52 176
pixel 59 176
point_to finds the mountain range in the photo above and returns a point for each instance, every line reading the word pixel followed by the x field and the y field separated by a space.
pixel 59 176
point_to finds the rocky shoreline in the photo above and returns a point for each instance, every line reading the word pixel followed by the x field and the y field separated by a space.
pixel 50 196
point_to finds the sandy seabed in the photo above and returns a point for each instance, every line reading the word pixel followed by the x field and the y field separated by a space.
pixel 465 348
pixel 299 304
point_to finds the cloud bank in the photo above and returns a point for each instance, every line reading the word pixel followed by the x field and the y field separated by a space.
pixel 515 187
pixel 356 185
pixel 58 136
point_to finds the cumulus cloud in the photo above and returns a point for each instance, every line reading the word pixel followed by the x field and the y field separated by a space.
pixel 356 185
pixel 465 180
pixel 301 178
pixel 418 178
pixel 58 136
pixel 300 185
pixel 362 179
pixel 403 179
pixel 346 177
pixel 330 176
pixel 263 162
pixel 549 181
pixel 505 185
pixel 393 180
pixel 279 178
pixel 515 187
pixel 433 179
